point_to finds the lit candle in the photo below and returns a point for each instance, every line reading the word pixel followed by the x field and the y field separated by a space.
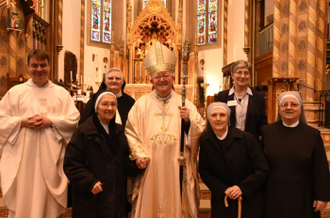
pixel 205 77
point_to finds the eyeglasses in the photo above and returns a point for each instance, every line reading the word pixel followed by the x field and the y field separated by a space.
pixel 246 73
pixel 165 77
pixel 105 104
pixel 286 104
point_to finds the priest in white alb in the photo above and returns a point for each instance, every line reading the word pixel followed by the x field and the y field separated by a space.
pixel 37 120
pixel 153 130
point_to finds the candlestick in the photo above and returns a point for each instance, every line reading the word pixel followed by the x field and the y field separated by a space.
pixel 205 85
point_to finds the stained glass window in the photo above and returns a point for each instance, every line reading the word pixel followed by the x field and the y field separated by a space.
pixel 201 22
pixel 101 14
pixel 107 21
pixel 207 21
pixel 213 18
pixel 146 1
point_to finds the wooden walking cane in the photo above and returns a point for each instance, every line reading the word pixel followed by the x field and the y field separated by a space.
pixel 239 206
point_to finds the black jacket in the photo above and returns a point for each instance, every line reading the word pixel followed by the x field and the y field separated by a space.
pixel 88 160
pixel 256 116
pixel 240 162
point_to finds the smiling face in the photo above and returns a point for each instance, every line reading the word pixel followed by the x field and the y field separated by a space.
pixel 218 119
pixel 114 81
pixel 241 77
pixel 163 82
pixel 290 110
pixel 39 70
pixel 106 108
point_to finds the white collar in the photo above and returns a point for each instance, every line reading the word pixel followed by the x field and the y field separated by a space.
pixel 232 91
pixel 119 94
pixel 291 126
pixel 223 136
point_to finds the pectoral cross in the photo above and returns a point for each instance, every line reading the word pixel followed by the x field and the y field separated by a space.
pixel 163 115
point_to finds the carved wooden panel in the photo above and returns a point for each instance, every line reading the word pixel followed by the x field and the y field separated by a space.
pixel 70 64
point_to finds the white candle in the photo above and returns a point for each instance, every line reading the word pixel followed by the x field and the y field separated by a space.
pixel 205 77
pixel 70 76
pixel 100 75
pixel 77 78
pixel 81 79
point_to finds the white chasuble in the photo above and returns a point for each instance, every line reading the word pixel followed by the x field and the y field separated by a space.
pixel 32 178
pixel 153 130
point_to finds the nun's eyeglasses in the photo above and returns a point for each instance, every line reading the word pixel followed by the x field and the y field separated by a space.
pixel 105 104
pixel 292 105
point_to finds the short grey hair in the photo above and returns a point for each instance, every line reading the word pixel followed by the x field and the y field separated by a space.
pixel 241 64
pixel 113 69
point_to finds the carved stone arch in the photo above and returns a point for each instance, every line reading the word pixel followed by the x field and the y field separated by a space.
pixel 153 24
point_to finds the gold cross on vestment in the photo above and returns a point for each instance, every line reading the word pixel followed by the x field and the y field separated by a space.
pixel 163 114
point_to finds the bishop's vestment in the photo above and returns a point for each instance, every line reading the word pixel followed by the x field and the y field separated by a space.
pixel 153 130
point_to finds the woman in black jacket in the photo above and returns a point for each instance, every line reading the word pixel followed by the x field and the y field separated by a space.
pixel 248 108
pixel 97 163
pixel 231 164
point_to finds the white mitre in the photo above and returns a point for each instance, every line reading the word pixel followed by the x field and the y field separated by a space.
pixel 158 59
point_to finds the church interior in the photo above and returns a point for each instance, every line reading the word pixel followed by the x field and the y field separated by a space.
pixel 287 43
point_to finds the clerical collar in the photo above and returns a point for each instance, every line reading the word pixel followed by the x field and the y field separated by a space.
pixel 165 100
pixel 291 126
pixel 223 136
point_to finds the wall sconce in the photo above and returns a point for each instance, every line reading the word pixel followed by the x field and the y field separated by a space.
pixel 202 62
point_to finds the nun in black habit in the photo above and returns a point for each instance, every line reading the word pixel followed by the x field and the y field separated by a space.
pixel 97 163
pixel 299 181
pixel 231 163
pixel 113 81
